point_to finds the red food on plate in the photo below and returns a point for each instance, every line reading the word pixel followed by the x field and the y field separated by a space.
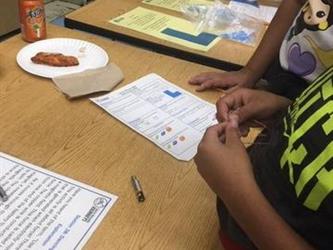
pixel 55 59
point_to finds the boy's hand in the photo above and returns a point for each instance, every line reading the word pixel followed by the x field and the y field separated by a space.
pixel 250 104
pixel 225 80
pixel 227 169
pixel 223 164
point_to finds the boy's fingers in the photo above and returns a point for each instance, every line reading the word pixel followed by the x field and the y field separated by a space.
pixel 232 136
pixel 232 100
pixel 201 77
pixel 225 104
pixel 214 132
pixel 244 113
pixel 202 87
pixel 209 84
pixel 222 110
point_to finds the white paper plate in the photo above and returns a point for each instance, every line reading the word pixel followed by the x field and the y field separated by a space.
pixel 90 56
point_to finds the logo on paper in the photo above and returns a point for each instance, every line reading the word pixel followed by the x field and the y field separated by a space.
pixel 98 204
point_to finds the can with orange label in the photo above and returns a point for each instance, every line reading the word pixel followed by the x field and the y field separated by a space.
pixel 32 20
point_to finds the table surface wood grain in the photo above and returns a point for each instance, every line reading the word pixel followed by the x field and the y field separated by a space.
pixel 79 140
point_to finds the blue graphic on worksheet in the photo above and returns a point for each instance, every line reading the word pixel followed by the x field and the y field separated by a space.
pixel 172 94
pixel 202 39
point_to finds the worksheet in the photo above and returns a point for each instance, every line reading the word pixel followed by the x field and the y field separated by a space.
pixel 166 27
pixel 176 5
pixel 172 118
pixel 45 210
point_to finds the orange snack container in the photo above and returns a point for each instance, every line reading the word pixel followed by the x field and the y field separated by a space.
pixel 32 20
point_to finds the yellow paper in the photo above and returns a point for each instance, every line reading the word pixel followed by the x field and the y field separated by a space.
pixel 166 27
pixel 175 4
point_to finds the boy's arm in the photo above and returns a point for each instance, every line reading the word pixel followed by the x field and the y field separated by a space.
pixel 267 50
pixel 270 44
pixel 227 169
pixel 259 220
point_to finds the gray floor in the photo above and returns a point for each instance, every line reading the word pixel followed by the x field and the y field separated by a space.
pixel 56 10
pixel 59 21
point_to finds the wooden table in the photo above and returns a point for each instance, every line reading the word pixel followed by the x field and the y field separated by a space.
pixel 94 17
pixel 79 140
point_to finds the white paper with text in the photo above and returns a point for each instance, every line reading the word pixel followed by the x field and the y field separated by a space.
pixel 172 118
pixel 46 210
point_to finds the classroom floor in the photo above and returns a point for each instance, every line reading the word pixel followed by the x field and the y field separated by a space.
pixel 56 10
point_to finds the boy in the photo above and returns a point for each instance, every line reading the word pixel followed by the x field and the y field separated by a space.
pixel 279 196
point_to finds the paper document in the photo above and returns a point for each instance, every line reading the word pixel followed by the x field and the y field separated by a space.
pixel 46 210
pixel 175 5
pixel 172 118
pixel 166 27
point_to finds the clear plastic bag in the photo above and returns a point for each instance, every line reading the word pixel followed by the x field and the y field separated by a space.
pixel 217 18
